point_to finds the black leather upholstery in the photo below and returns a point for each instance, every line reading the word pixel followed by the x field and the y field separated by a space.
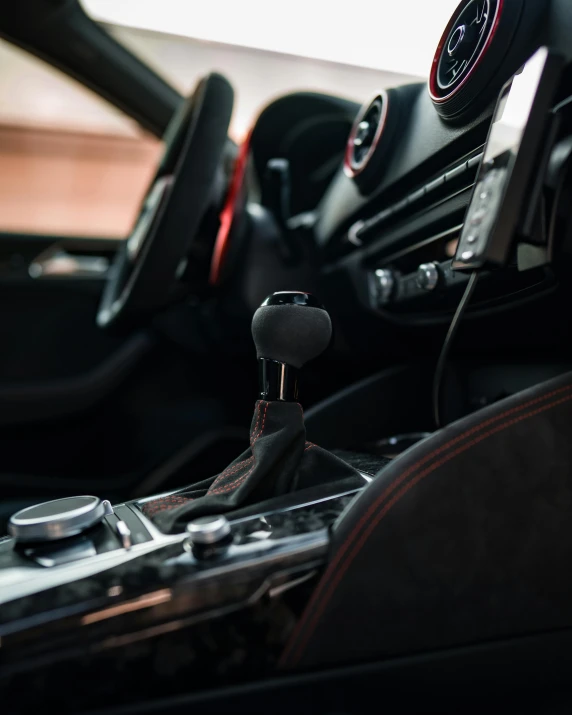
pixel 465 538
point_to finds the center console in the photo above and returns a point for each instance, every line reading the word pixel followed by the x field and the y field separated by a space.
pixel 206 581
pixel 201 588
pixel 409 258
pixel 120 589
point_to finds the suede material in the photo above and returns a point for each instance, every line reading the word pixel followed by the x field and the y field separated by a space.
pixel 279 461
pixel 466 537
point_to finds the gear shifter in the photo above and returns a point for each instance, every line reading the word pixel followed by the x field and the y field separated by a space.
pixel 289 330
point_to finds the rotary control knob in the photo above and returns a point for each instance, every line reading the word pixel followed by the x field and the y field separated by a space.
pixel 428 276
pixel 209 530
pixel 57 519
pixel 209 536
pixel 384 285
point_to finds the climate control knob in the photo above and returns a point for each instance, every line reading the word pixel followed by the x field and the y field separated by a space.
pixel 428 276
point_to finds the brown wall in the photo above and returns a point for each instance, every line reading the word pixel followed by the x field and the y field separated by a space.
pixel 66 183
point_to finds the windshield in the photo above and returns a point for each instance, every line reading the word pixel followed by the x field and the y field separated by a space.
pixel 267 50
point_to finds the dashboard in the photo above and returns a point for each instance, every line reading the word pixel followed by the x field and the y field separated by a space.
pixel 388 225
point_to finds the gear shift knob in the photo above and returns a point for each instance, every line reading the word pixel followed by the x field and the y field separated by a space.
pixel 289 329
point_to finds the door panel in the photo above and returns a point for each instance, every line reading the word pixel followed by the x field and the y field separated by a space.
pixel 82 411
pixel 47 323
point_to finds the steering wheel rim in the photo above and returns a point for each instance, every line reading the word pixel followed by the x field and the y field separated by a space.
pixel 165 234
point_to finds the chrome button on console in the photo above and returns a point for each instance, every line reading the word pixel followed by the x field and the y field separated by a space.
pixel 384 285
pixel 124 533
pixel 57 519
pixel 428 276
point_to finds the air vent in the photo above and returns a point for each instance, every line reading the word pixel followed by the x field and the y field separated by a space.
pixel 471 52
pixel 365 135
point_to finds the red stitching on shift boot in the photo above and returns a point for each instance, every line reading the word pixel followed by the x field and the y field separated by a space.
pixel 226 472
pixel 174 500
pixel 240 480
pixel 229 472
pixel 230 487
pixel 257 420
pixel 170 499
pixel 169 502
pixel 163 506
pixel 263 423
pixel 167 507
pixel 295 648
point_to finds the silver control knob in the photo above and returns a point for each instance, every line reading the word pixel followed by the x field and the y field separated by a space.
pixel 208 530
pixel 428 276
pixel 57 519
pixel 384 285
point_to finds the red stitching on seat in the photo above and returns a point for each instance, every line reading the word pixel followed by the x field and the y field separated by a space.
pixel 295 647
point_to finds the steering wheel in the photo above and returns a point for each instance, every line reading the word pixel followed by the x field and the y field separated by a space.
pixel 166 235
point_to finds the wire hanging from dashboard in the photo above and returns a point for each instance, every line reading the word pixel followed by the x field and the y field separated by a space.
pixel 445 350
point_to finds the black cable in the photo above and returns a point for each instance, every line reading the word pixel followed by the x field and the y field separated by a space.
pixel 440 369
pixel 560 106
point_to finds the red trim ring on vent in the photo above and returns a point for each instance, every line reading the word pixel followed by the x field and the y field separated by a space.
pixel 227 214
pixel 433 88
pixel 351 168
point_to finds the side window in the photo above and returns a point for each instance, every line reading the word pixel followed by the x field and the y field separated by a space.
pixel 70 163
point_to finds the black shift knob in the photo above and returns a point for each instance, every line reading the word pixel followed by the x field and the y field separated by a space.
pixel 291 328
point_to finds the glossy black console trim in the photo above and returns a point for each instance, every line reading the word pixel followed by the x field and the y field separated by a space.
pixel 25 585
pixel 119 588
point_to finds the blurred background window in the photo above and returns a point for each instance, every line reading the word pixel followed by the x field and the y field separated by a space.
pixel 268 49
pixel 70 163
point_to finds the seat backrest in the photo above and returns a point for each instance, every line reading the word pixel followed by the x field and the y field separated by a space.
pixel 465 538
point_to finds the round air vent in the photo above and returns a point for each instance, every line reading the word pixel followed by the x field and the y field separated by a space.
pixel 471 51
pixel 369 138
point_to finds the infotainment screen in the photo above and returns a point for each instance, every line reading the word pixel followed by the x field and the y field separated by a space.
pixel 510 159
